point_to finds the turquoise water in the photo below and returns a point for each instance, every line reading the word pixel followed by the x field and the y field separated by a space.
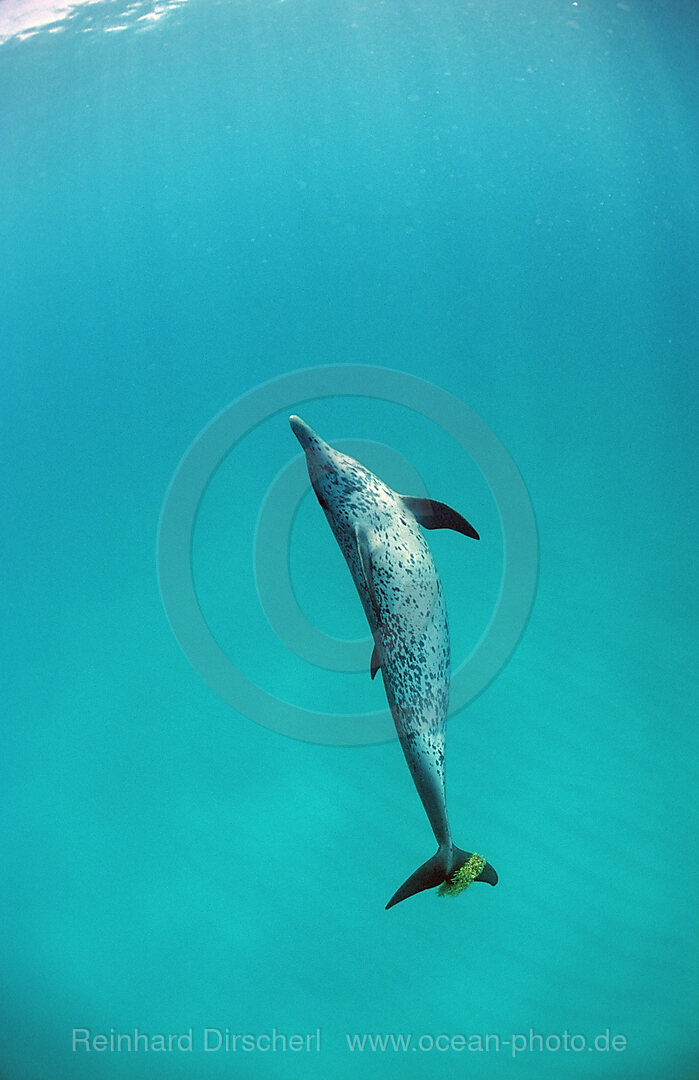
pixel 500 198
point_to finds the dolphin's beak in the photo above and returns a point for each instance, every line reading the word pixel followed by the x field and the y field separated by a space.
pixel 301 430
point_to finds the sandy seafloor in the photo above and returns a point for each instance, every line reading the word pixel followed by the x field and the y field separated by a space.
pixel 498 197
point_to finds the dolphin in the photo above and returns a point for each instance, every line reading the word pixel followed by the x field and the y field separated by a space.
pixel 401 594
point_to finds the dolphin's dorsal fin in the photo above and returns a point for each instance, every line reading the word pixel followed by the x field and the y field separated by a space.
pixel 437 515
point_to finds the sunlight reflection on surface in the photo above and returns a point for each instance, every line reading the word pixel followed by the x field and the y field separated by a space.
pixel 23 19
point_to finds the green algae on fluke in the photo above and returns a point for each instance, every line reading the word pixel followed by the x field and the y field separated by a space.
pixel 462 877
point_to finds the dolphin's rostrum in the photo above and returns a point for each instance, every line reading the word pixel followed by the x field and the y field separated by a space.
pixel 401 593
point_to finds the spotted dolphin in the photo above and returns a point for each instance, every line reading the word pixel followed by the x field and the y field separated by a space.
pixel 401 593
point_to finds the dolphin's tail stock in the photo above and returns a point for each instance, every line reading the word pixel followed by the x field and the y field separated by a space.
pixel 452 869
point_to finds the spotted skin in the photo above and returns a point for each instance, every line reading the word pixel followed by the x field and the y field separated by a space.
pixel 401 593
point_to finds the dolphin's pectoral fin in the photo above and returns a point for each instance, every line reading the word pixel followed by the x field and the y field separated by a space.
pixel 437 515
pixel 364 549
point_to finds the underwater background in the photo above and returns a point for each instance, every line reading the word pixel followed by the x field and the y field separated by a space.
pixel 498 196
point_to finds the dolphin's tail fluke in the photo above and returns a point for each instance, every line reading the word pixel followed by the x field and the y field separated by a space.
pixel 452 869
